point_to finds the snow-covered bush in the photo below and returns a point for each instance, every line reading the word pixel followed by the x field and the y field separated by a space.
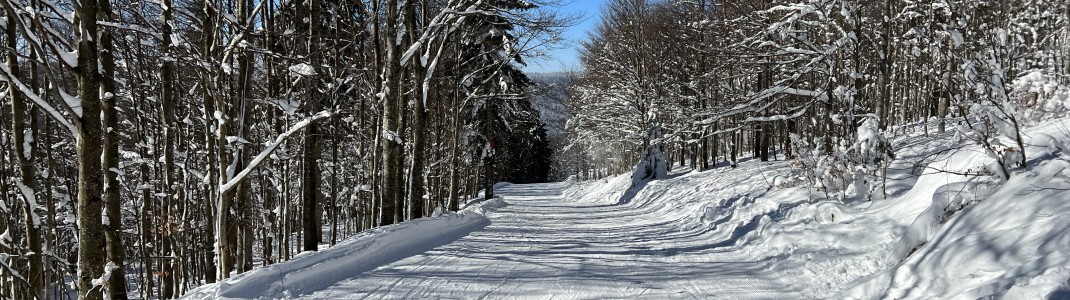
pixel 992 116
pixel 1041 96
pixel 833 176
pixel 871 154
pixel 653 165
pixel 805 168
pixel 852 170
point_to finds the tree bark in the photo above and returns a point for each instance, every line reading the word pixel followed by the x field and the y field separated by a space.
pixel 333 210
pixel 311 177
pixel 167 110
pixel 91 239
pixel 880 105
pixel 392 145
pixel 310 189
pixel 488 160
pixel 417 187
pixel 24 145
pixel 110 158
pixel 243 201
pixel 214 268
pixel 455 133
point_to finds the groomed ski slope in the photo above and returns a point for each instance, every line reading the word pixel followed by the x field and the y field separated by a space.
pixel 719 234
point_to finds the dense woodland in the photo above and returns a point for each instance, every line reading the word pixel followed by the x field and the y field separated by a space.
pixel 153 146
pixel 823 83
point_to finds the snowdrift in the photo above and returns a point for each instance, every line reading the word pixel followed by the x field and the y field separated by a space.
pixel 939 234
pixel 312 271
pixel 1012 242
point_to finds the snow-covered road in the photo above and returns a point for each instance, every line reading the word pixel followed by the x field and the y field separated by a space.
pixel 544 245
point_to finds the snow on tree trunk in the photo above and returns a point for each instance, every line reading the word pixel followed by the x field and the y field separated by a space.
pixel 654 164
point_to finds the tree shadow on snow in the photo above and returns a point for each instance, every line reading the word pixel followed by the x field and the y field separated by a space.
pixel 632 191
pixel 1059 295
pixel 636 187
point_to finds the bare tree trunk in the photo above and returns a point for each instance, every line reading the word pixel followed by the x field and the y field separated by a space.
pixel 488 161
pixel 50 239
pixel 733 148
pixel 311 177
pixel 91 240
pixel 145 217
pixel 224 238
pixel 243 226
pixel 765 141
pixel 167 109
pixel 24 145
pixel 1066 43
pixel 880 105
pixel 110 158
pixel 417 188
pixel 455 132
pixel 333 209
pixel 284 228
pixel 310 189
pixel 271 218
pixel 944 103
pixel 392 145
pixel 215 243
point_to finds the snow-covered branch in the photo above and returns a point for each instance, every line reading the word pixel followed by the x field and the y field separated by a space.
pixel 52 111
pixel 270 147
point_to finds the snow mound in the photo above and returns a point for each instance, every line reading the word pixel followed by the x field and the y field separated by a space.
pixel 1013 242
pixel 947 229
pixel 313 271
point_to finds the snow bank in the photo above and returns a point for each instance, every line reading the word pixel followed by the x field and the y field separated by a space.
pixel 943 231
pixel 714 211
pixel 601 191
pixel 312 271
pixel 1014 243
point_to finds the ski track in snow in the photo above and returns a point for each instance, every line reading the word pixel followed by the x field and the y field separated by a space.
pixel 543 244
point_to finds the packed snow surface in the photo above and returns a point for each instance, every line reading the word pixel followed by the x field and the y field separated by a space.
pixel 722 234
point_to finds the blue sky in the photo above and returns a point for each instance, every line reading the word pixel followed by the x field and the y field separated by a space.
pixel 567 58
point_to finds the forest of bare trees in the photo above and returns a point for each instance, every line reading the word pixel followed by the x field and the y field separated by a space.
pixel 821 82
pixel 153 146
pixel 149 147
